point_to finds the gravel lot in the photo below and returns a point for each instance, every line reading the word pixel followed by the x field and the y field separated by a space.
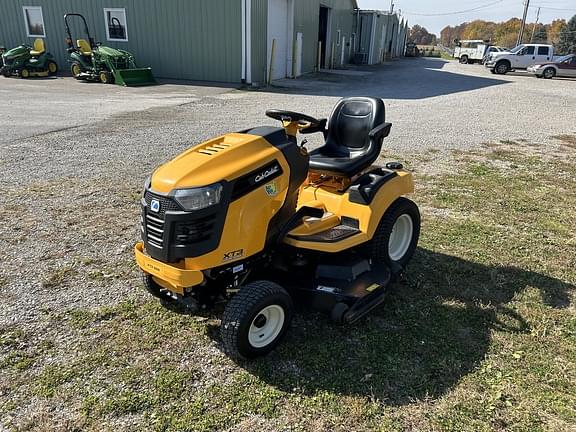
pixel 76 156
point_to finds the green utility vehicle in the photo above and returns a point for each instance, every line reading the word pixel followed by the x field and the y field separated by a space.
pixel 28 61
pixel 92 61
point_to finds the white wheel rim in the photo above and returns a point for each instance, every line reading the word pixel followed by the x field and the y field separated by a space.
pixel 400 237
pixel 266 326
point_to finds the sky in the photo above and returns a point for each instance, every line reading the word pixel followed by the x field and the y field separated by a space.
pixel 421 11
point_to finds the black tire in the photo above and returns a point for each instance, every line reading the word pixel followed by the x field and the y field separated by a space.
pixel 106 77
pixel 502 67
pixel 549 73
pixel 492 71
pixel 6 73
pixel 338 313
pixel 377 249
pixel 52 68
pixel 464 59
pixel 243 312
pixel 76 69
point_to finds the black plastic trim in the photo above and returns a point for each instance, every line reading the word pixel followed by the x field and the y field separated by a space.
pixel 255 179
pixel 365 188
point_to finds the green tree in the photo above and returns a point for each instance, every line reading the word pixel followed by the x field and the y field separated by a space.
pixel 567 39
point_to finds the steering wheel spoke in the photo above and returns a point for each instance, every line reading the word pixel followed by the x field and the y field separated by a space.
pixel 303 121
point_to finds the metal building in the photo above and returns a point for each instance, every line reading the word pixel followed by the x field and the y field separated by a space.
pixel 211 40
pixel 381 36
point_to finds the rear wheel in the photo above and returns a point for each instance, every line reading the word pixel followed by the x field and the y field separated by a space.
pixel 396 236
pixel 52 68
pixel 256 319
pixel 549 73
pixel 76 70
pixel 24 73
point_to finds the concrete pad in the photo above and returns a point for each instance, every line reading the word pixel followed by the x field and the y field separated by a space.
pixel 39 106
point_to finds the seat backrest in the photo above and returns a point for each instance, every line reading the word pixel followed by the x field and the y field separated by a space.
pixel 350 123
pixel 84 46
pixel 39 45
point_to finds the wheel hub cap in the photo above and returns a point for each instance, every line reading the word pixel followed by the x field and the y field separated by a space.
pixel 266 326
pixel 400 237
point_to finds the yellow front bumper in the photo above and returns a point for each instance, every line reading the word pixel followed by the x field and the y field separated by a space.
pixel 175 277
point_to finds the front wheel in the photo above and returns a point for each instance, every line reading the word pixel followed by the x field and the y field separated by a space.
pixel 396 236
pixel 106 77
pixel 256 320
pixel 24 73
pixel 549 73
pixel 464 60
pixel 502 68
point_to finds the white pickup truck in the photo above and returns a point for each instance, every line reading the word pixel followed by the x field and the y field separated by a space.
pixel 521 57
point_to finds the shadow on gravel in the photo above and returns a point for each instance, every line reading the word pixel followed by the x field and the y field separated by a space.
pixel 433 330
pixel 404 79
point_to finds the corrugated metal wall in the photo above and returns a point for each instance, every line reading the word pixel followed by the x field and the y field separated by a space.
pixel 185 39
pixel 307 20
pixel 389 37
pixel 259 40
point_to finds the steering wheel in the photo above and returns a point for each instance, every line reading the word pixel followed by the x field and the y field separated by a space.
pixel 304 121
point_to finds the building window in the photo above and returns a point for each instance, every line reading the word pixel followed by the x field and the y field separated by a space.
pixel 34 21
pixel 115 21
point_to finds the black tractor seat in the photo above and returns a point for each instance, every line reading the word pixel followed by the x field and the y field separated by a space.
pixel 353 138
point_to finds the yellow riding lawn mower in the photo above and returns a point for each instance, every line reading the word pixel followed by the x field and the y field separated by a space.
pixel 254 219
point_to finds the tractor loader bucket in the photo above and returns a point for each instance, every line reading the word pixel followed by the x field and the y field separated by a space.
pixel 134 77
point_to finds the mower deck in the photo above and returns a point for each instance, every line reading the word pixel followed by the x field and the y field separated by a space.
pixel 345 280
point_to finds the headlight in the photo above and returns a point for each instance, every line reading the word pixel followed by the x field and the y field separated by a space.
pixel 198 198
pixel 536 66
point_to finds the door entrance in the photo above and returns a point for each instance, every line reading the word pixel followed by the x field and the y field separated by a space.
pixel 323 34
pixel 278 17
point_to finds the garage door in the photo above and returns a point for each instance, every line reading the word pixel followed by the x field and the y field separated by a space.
pixel 278 29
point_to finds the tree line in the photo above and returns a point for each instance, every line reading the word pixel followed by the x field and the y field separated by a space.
pixel 559 33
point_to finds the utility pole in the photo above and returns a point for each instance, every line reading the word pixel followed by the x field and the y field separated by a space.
pixel 521 35
pixel 535 24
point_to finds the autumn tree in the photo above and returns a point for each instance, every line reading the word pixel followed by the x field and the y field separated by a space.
pixel 567 39
pixel 554 29
pixel 420 36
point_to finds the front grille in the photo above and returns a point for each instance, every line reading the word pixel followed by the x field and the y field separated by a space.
pixel 171 233
pixel 155 231
pixel 166 204
pixel 154 221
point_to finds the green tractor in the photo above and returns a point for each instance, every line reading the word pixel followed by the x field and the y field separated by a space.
pixel 91 61
pixel 28 61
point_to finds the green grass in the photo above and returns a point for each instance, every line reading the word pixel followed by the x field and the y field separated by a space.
pixel 479 335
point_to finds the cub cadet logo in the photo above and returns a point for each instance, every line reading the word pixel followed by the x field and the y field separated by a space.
pixel 233 255
pixel 269 172
pixel 155 205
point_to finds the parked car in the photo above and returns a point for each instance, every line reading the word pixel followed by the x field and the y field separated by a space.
pixel 490 50
pixel 521 57
pixel 470 51
pixel 562 67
